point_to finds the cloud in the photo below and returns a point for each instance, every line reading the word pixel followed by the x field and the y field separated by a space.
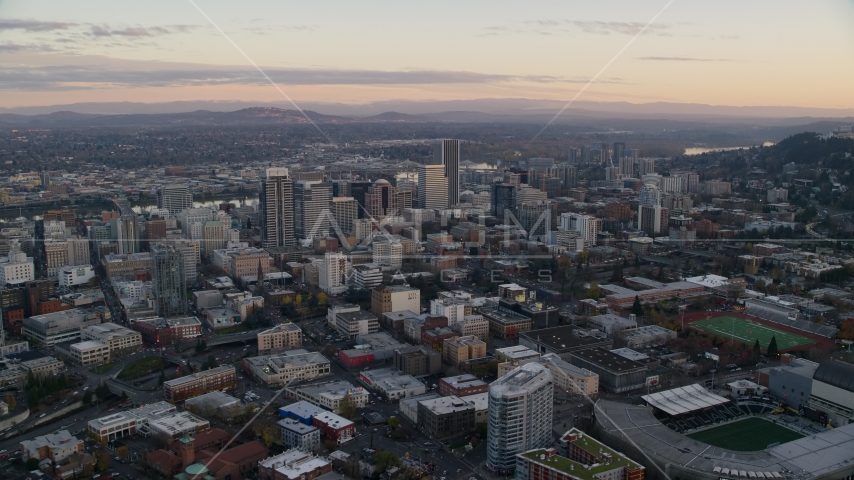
pixel 34 25
pixel 157 74
pixel 686 59
pixel 17 47
pixel 554 27
pixel 106 31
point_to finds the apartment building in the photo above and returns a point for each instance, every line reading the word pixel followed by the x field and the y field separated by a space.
pixel 220 378
pixel 459 349
pixel 120 340
pixel 279 338
pixel 285 368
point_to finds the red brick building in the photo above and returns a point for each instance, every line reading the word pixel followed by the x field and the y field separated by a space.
pixel 462 385
pixel 166 331
pixel 334 427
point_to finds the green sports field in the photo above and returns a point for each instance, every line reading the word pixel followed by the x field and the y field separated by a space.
pixel 746 435
pixel 748 332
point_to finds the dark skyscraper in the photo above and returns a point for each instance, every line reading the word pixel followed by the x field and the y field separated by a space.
pixel 503 198
pixel 447 153
pixel 168 282
pixel 358 190
pixel 276 209
pixel 619 152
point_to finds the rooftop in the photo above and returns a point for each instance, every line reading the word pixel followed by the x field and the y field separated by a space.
pixel 301 409
pixel 685 399
pixel 610 361
pixel 446 405
pixel 206 373
pixel 295 426
pixel 521 380
pixel 560 338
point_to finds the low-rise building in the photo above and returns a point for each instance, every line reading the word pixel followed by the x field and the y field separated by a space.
pixel 167 331
pixel 581 458
pixel 214 403
pixel 220 378
pixel 417 361
pixel 459 349
pixel 392 384
pixel 295 434
pixel 42 367
pixel 294 464
pixel 505 323
pixel 335 427
pixel 562 341
pixel 480 402
pixel 474 325
pixel 173 427
pixel 329 394
pixel 516 353
pixel 409 406
pixel 279 338
pixel 90 352
pixel 462 385
pixel 353 324
pixel 54 446
pixel 617 374
pixel 129 422
pixel 57 327
pixel 285 368
pixel 120 340
pixel 647 336
pixel 444 417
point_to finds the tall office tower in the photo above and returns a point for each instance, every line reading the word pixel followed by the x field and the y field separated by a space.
pixel 312 207
pixel 126 231
pixel 693 182
pixel 651 217
pixel 276 209
pixel 503 199
pixel 78 251
pixel 633 154
pixel 340 188
pixel 619 151
pixel 174 197
pixel 344 210
pixel 672 184
pixel 612 173
pixel 381 200
pixel 598 153
pixel 191 250
pixel 56 255
pixel 168 283
pixel 646 166
pixel 404 199
pixel 627 166
pixel 535 218
pixel 520 415
pixel 213 237
pixel 568 174
pixel 587 226
pixel 358 190
pixel 447 153
pixel 432 187
pixel 573 155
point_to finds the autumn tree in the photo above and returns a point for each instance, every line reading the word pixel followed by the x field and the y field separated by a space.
pixel 594 292
pixel 321 298
pixel 265 431
pixel 102 462
pixel 10 401
pixel 385 459
pixel 347 406
pixel 123 452
pixel 393 422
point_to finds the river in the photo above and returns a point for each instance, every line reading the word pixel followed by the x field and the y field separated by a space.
pixel 701 150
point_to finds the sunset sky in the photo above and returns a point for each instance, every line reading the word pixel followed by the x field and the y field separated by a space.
pixel 760 52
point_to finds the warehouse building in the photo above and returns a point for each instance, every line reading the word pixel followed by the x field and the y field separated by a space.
pixel 281 369
pixel 616 374
pixel 562 341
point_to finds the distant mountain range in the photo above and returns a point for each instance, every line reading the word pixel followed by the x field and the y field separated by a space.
pixel 480 110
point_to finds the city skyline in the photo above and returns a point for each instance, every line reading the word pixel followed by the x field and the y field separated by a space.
pixel 692 53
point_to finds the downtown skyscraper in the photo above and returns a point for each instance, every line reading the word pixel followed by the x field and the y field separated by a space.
pixel 432 187
pixel 447 152
pixel 174 197
pixel 276 209
pixel 168 282
pixel 312 208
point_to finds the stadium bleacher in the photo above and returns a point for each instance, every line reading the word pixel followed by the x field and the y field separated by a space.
pixel 783 319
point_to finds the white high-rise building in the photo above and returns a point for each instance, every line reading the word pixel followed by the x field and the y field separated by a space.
pixel 312 208
pixel 447 152
pixel 521 407
pixel 587 226
pixel 344 210
pixel 175 198
pixel 650 195
pixel 367 276
pixel 432 187
pixel 333 272
pixel 672 184
pixel 17 267
pixel 453 310
pixel 276 209
pixel 78 251
pixel 193 221
pixel 388 253
pixel 646 166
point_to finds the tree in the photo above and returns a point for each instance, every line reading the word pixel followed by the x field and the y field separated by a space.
pixel 772 289
pixel 393 422
pixel 756 351
pixel 759 285
pixel 347 406
pixel 772 348
pixel 10 401
pixel 321 298
pixel 201 346
pixel 313 302
pixel 32 464
pixel 266 432
pixel 637 307
pixel 123 452
pixel 288 310
pixel 103 461
pixel 297 300
pixel 87 397
pixel 385 459
pixel 594 292
pixel 778 274
pixel 210 363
